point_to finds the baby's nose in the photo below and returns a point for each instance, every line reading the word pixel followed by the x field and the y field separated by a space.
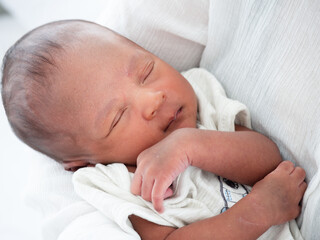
pixel 152 104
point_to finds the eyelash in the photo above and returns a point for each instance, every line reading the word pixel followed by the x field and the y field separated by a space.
pixel 149 72
pixel 118 117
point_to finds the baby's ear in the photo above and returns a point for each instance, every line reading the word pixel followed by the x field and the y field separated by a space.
pixel 74 165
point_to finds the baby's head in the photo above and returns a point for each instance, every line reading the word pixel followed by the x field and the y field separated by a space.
pixel 82 94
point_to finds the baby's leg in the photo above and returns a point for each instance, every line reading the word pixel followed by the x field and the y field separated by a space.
pixel 280 192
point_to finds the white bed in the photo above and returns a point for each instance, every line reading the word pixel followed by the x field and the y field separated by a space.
pixel 266 53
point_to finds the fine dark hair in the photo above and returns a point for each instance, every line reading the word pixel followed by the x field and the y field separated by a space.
pixel 28 72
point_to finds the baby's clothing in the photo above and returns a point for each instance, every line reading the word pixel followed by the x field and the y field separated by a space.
pixel 197 194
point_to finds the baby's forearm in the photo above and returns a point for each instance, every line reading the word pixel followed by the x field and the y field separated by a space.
pixel 242 221
pixel 243 156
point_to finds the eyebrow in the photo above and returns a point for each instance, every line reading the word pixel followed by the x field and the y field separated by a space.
pixel 137 59
pixel 132 66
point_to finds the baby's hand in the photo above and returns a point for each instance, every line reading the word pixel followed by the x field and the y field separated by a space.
pixel 279 193
pixel 157 167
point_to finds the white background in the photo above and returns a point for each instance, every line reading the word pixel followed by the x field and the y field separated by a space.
pixel 17 220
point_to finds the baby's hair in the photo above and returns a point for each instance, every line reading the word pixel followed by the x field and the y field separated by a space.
pixel 28 71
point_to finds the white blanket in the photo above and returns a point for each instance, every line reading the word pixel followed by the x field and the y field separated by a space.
pixel 197 194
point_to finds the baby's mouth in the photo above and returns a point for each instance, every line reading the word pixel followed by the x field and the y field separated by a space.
pixel 173 119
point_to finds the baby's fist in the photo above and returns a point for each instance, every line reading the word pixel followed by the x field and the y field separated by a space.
pixel 278 195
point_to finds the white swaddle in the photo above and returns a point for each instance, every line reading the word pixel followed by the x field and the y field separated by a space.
pixel 197 194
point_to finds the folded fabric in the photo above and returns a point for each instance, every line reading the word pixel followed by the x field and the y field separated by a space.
pixel 175 31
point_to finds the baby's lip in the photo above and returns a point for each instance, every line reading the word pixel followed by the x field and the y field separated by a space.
pixel 173 118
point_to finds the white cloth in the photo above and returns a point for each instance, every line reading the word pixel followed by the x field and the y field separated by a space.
pixel 197 194
pixel 154 24
pixel 266 54
pixel 66 216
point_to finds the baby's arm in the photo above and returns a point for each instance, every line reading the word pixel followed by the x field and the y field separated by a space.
pixel 243 156
pixel 272 201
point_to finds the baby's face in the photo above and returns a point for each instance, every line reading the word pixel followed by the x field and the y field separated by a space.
pixel 118 100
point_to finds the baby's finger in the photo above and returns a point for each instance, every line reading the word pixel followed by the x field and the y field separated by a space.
pixel 136 183
pixel 299 174
pixel 168 193
pixel 286 166
pixel 157 200
pixel 303 187
pixel 146 188
pixel 297 212
pixel 158 194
